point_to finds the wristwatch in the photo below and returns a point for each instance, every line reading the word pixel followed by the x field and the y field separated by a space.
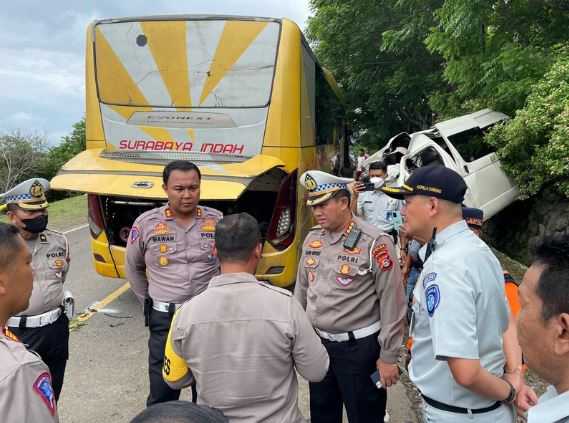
pixel 512 395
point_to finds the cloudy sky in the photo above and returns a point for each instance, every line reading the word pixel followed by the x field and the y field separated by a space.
pixel 42 47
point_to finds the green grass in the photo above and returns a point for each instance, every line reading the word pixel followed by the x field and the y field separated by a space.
pixel 65 214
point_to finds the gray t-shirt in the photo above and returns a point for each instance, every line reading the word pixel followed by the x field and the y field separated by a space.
pixel 460 311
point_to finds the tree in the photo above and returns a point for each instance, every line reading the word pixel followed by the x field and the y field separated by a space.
pixel 495 51
pixel 387 82
pixel 534 147
pixel 21 156
pixel 70 146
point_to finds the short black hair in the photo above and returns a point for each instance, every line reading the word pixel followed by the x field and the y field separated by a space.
pixel 378 166
pixel 183 165
pixel 236 236
pixel 552 255
pixel 9 246
pixel 13 207
pixel 179 412
pixel 342 193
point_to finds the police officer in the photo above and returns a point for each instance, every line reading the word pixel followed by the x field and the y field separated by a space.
pixel 374 206
pixel 349 281
pixel 169 259
pixel 26 393
pixel 43 326
pixel 460 311
pixel 243 339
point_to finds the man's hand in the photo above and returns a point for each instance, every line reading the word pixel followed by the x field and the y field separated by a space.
pixel 357 188
pixel 388 373
pixel 525 399
pixel 515 378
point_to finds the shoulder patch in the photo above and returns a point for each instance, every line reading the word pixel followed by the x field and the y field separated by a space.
pixel 433 298
pixel 382 257
pixel 8 334
pixel 43 388
pixel 134 234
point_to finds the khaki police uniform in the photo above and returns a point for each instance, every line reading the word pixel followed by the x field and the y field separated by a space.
pixel 43 327
pixel 26 394
pixel 243 340
pixel 167 264
pixel 355 300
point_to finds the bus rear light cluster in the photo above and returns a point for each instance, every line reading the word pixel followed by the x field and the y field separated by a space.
pixel 281 229
pixel 96 222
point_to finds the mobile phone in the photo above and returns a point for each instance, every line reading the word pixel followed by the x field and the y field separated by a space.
pixel 368 186
pixel 375 377
pixel 397 219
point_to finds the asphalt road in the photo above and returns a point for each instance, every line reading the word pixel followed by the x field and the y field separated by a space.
pixel 106 378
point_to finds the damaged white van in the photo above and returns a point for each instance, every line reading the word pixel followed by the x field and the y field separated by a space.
pixel 457 144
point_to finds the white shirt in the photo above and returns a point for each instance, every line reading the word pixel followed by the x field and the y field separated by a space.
pixel 460 311
pixel 361 160
pixel 377 208
pixel 552 407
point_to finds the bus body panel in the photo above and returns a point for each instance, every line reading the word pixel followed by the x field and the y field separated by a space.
pixel 253 111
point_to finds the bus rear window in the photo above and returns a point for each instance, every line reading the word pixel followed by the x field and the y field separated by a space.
pixel 186 64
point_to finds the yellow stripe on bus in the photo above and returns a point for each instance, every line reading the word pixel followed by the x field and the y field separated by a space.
pixel 116 82
pixel 237 36
pixel 167 43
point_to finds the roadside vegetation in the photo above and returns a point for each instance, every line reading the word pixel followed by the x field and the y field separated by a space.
pixel 407 64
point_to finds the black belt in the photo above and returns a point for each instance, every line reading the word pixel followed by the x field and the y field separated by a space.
pixel 460 410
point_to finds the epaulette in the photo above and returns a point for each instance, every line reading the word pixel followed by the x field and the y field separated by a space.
pixel 315 228
pixel 54 231
pixel 211 210
pixel 148 214
pixel 276 288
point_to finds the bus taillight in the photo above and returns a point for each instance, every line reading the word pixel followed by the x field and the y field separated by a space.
pixel 96 222
pixel 281 230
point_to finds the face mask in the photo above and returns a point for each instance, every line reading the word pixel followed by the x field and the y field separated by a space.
pixel 36 225
pixel 377 182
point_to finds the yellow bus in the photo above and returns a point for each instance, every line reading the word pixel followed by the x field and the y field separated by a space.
pixel 241 97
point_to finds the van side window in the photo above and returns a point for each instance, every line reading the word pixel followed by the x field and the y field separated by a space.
pixel 329 112
pixel 470 144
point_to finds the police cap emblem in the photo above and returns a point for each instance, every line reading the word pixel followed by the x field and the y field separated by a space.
pixel 310 183
pixel 36 190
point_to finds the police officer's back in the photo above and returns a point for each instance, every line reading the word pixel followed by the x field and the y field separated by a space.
pixel 169 259
pixel 242 339
pixel 43 326
pixel 26 394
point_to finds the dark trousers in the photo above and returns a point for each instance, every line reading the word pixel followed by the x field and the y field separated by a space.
pixel 348 381
pixel 159 326
pixel 51 342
